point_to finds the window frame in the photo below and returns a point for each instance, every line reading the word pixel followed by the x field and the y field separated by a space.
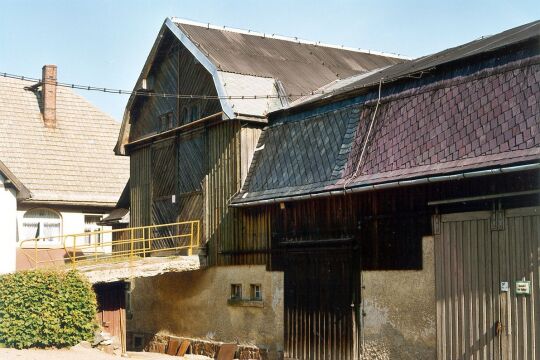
pixel 41 225
pixel 253 290
pixel 236 295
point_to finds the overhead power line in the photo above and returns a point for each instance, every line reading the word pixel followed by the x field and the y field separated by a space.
pixel 162 95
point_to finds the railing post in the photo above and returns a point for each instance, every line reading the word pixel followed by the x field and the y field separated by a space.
pixel 190 250
pixel 95 247
pixel 35 254
pixel 131 245
pixel 144 241
pixel 74 251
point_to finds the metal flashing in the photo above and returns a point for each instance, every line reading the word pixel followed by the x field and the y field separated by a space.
pixel 203 59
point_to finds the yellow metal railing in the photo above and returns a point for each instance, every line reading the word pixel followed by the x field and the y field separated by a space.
pixel 112 245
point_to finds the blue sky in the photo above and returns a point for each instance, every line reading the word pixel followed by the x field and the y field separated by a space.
pixel 105 43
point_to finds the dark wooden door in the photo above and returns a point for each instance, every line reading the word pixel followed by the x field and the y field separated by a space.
pixel 321 300
pixel 112 310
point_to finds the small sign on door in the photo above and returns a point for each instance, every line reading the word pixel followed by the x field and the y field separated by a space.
pixel 523 287
pixel 504 286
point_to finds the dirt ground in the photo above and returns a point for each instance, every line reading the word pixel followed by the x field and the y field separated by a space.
pixel 80 353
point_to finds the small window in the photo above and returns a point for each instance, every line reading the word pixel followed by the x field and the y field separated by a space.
pixel 256 292
pixel 194 113
pixel 162 123
pixel 166 122
pixel 236 291
pixel 184 118
pixel 91 226
pixel 138 342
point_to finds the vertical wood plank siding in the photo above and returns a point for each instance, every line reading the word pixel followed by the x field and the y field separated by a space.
pixel 175 71
pixel 234 236
pixel 140 187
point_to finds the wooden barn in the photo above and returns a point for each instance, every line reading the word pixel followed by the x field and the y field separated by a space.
pixel 404 209
pixel 364 204
pixel 189 157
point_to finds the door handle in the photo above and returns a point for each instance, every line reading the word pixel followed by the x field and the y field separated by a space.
pixel 498 328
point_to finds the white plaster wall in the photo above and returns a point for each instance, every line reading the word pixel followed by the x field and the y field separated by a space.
pixel 72 223
pixel 8 227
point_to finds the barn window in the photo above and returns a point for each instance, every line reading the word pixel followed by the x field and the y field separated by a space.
pixel 42 223
pixel 256 293
pixel 166 122
pixel 184 117
pixel 236 291
pixel 194 113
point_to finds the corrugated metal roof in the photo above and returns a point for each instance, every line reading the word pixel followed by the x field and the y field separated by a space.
pixel 388 74
pixel 301 66
pixel 71 164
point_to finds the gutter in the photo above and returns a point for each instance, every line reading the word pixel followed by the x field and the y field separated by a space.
pixel 390 185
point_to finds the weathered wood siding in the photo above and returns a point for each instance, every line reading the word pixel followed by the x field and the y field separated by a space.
pixel 141 186
pixel 175 71
pixel 223 183
pixel 191 168
pixel 249 137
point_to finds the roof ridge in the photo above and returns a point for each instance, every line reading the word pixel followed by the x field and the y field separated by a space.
pixel 285 38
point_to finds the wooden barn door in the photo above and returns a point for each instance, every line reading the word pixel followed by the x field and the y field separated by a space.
pixel 320 322
pixel 476 253
pixel 164 206
pixel 111 313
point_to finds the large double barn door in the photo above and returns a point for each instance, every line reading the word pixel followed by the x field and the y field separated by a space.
pixel 320 322
pixel 480 258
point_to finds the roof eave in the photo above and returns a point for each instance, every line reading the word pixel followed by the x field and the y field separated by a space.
pixel 22 191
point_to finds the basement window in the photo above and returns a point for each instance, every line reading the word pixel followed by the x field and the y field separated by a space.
pixel 236 291
pixel 255 292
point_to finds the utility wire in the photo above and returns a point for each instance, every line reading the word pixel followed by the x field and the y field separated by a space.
pixel 149 93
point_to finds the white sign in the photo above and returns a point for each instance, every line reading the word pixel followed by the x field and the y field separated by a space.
pixel 504 286
pixel 523 287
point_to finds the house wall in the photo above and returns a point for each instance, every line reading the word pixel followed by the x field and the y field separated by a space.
pixel 400 308
pixel 194 304
pixel 72 221
pixel 8 227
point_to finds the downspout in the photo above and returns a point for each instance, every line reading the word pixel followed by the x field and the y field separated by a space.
pixel 393 184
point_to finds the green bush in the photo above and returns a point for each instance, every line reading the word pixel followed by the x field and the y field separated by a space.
pixel 46 309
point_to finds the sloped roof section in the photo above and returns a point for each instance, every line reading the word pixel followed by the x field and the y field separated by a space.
pixel 301 66
pixel 72 164
pixel 471 121
pixel 415 67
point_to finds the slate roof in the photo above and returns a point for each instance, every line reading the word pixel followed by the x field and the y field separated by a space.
pixel 72 164
pixel 486 118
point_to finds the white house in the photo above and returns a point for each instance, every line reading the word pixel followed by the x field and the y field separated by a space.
pixel 58 171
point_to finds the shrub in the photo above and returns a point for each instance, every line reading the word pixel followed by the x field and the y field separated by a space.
pixel 46 309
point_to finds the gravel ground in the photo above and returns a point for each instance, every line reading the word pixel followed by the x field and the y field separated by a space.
pixel 80 353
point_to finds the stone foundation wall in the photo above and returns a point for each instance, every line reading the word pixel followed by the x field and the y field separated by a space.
pixel 196 305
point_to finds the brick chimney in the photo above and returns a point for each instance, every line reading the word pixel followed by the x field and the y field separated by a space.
pixel 48 95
